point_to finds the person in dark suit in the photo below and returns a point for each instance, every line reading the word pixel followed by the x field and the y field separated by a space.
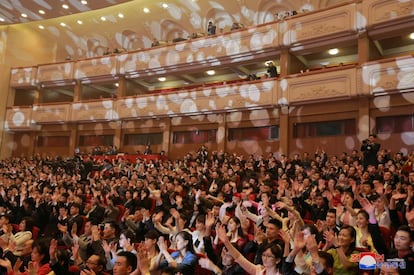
pixel 271 69
pixel 75 217
pixel 370 150
pixel 97 212
pixel 211 29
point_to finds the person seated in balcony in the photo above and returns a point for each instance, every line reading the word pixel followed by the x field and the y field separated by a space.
pixel 155 42
pixel 236 26
pixel 211 28
pixel 107 51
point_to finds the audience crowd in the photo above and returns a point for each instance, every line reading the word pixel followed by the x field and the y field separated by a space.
pixel 210 213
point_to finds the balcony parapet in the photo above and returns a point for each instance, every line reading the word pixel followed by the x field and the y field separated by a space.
pixel 56 74
pixel 23 77
pixel 18 118
pixel 226 98
pixel 327 85
pixel 394 75
pixel 317 27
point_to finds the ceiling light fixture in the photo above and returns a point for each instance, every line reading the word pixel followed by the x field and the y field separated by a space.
pixel 65 6
pixel 42 12
pixel 103 18
pixel 333 51
pixel 24 15
pixel 2 19
pixel 162 79
pixel 146 10
pixel 412 35
pixel 63 24
pixel 79 22
pixel 84 2
pixel 164 5
pixel 211 72
pixel 120 15
pixel 41 27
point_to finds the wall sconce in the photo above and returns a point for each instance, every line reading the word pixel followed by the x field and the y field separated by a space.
pixel 284 108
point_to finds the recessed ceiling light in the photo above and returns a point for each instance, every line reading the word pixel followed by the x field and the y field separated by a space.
pixel 120 15
pixel 162 79
pixel 24 15
pixel 84 2
pixel 103 18
pixel 412 35
pixel 1 19
pixel 79 22
pixel 63 24
pixel 42 12
pixel 211 72
pixel 65 6
pixel 116 84
pixel 146 10
pixel 41 27
pixel 164 5
pixel 333 51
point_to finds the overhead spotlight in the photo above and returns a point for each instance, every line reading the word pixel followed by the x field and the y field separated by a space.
pixel 24 15
pixel 116 84
pixel 412 35
pixel 84 2
pixel 41 27
pixel 120 15
pixel 1 19
pixel 333 51
pixel 162 79
pixel 65 6
pixel 79 22
pixel 146 10
pixel 211 72
pixel 42 12
pixel 63 24
pixel 164 5
pixel 103 18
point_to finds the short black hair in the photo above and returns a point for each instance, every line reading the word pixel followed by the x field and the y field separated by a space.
pixel 276 222
pixel 131 259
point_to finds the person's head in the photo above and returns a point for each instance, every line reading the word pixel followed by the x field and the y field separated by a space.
pixel 362 219
pixel 388 268
pixel 125 263
pixel 184 241
pixel 331 217
pixel 27 247
pixel 110 230
pixel 40 252
pixel 95 263
pixel 4 219
pixel 273 228
pixel 74 209
pixel 151 239
pixel 347 237
pixel 26 224
pixel 272 255
pixel 233 225
pixel 326 260
pixel 200 222
pixel 127 236
pixel 226 257
pixel 404 239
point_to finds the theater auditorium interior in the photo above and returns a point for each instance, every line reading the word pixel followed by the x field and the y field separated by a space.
pixel 77 75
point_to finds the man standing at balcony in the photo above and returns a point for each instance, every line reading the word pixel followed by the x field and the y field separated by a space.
pixel 211 29
pixel 271 69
